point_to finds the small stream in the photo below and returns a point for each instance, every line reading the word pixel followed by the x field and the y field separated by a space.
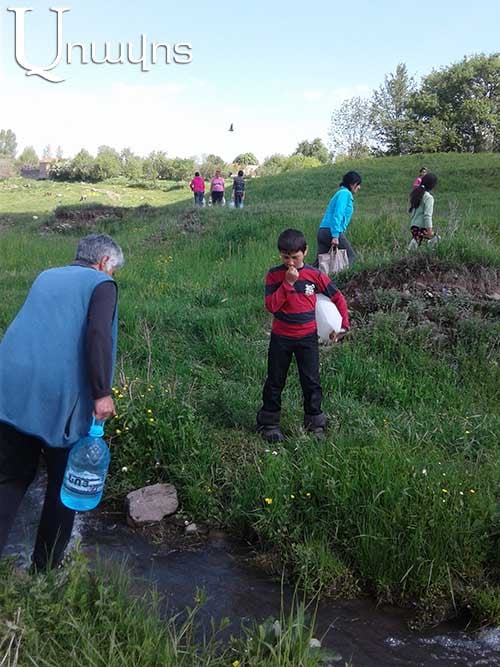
pixel 367 635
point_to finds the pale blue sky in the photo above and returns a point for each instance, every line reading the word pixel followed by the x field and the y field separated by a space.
pixel 274 69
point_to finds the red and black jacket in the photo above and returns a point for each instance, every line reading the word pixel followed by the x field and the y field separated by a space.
pixel 294 306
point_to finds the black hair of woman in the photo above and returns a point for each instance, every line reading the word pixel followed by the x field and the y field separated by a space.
pixel 349 179
pixel 429 182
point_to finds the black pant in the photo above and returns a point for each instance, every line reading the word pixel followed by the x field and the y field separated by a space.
pixel 238 199
pixel 325 243
pixel 217 197
pixel 19 457
pixel 306 351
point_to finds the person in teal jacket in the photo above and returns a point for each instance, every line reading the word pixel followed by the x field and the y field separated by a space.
pixel 338 215
pixel 56 367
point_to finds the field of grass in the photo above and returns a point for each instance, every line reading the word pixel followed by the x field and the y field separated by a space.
pixel 401 499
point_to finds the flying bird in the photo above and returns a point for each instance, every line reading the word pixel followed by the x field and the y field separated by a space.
pixel 231 128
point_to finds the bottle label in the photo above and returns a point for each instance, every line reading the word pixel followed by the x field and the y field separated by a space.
pixel 84 484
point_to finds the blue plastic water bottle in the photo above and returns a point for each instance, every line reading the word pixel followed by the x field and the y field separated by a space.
pixel 86 470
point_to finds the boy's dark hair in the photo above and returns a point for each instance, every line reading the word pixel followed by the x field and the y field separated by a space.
pixel 196 173
pixel 429 182
pixel 291 240
pixel 240 173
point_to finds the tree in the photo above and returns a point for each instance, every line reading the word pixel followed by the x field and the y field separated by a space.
pixel 107 164
pixel 28 158
pixel 180 169
pixel 315 148
pixel 81 166
pixel 210 164
pixel 59 153
pixel 463 99
pixel 272 165
pixel 295 162
pixel 351 131
pixel 245 158
pixel 131 165
pixel 390 112
pixel 8 144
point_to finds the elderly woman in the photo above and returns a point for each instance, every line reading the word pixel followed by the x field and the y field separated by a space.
pixel 56 367
pixel 338 215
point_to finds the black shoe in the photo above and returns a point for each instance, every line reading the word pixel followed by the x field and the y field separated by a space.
pixel 271 434
pixel 315 425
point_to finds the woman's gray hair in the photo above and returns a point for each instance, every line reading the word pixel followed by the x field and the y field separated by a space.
pixel 94 247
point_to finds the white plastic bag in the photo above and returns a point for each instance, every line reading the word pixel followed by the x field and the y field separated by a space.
pixel 333 261
pixel 328 318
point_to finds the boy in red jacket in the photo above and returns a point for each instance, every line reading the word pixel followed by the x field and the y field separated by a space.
pixel 291 290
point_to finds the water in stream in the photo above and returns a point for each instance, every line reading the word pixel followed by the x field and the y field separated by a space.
pixel 367 635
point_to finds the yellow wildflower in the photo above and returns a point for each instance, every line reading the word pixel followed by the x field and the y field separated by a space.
pixel 292 496
pixel 268 501
pixel 236 663
pixel 471 491
pixel 444 490
pixel 308 494
pixel 118 432
pixel 151 420
pixel 149 411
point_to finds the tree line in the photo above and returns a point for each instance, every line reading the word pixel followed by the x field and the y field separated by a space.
pixel 455 108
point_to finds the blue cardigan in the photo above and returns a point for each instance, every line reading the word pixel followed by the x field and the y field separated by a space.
pixel 338 212
pixel 44 386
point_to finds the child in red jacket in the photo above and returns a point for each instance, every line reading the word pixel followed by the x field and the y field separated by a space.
pixel 291 290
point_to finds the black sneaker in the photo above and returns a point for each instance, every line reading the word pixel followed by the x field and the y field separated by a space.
pixel 271 434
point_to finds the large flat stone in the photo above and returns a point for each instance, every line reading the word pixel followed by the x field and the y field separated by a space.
pixel 151 504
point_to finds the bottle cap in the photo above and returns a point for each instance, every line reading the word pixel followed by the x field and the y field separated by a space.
pixel 96 428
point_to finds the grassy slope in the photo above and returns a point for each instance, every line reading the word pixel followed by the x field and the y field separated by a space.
pixel 400 499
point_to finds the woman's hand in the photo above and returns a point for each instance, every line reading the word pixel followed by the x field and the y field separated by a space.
pixel 104 408
pixel 335 241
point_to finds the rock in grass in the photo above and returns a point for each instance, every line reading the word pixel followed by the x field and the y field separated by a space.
pixel 151 504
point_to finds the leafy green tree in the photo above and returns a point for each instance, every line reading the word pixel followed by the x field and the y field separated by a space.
pixel 107 164
pixel 181 169
pixel 245 158
pixel 295 162
pixel 272 165
pixel 156 166
pixel 131 165
pixel 463 99
pixel 81 166
pixel 390 112
pixel 315 148
pixel 351 129
pixel 27 158
pixel 210 164
pixel 59 153
pixel 8 144
pixel 47 152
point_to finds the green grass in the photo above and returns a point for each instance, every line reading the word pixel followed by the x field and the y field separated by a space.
pixel 400 500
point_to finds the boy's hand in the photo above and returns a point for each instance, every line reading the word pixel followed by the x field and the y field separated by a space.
pixel 292 275
pixel 336 337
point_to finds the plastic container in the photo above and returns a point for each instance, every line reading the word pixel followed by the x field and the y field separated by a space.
pixel 328 318
pixel 86 470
